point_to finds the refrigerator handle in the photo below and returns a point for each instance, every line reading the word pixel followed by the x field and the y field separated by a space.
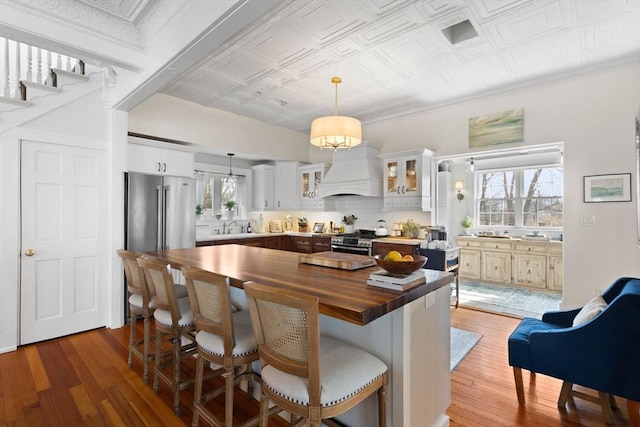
pixel 165 216
pixel 159 215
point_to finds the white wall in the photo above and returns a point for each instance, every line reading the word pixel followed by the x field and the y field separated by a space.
pixel 216 131
pixel 593 114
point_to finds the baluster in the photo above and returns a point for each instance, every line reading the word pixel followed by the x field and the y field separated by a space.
pixel 16 83
pixel 67 64
pixel 29 76
pixel 58 60
pixel 5 69
pixel 47 67
pixel 38 65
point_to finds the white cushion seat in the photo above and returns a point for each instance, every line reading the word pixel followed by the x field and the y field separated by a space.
pixel 344 370
pixel 136 300
pixel 244 337
pixel 186 315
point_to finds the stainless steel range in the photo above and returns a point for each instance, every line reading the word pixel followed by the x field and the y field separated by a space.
pixel 360 242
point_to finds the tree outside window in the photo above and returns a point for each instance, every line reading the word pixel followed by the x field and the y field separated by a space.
pixel 529 197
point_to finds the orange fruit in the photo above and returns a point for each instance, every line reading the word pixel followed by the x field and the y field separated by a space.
pixel 407 257
pixel 393 256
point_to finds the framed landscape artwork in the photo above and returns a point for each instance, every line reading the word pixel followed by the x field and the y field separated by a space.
pixel 498 128
pixel 607 188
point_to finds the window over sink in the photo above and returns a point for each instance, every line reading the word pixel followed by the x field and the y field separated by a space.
pixel 214 190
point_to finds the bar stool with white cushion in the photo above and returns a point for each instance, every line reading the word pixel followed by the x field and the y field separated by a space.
pixel 225 339
pixel 174 321
pixel 139 305
pixel 308 375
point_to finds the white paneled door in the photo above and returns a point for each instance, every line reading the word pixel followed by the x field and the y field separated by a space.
pixel 63 271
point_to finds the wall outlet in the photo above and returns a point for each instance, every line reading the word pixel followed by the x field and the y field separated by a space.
pixel 429 300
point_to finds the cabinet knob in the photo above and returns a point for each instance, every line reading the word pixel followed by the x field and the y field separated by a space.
pixel 30 252
pixel 496 246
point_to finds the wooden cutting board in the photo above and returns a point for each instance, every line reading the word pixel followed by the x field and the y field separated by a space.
pixel 337 260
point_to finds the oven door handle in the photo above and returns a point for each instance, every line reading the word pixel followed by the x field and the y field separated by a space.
pixel 349 249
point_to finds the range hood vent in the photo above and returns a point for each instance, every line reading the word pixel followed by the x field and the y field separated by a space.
pixel 357 171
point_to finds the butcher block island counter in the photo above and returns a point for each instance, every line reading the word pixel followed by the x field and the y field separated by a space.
pixel 408 330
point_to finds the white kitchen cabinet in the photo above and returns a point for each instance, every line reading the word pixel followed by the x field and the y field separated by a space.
pixel 286 185
pixel 159 161
pixel 310 177
pixel 496 266
pixel 526 263
pixel 555 273
pixel 263 187
pixel 470 263
pixel 407 180
pixel 530 270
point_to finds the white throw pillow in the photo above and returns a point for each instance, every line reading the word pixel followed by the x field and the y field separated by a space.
pixel 590 310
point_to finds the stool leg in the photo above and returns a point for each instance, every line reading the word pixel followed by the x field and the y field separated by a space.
pixel 147 348
pixel 132 335
pixel 517 376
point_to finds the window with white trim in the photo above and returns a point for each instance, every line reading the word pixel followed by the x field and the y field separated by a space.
pixel 523 197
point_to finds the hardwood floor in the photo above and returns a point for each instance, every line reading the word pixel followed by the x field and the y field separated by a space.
pixel 483 391
pixel 84 379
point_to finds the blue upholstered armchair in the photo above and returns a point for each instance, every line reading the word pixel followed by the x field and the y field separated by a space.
pixel 601 354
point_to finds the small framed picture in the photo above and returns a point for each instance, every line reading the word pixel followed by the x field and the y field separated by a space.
pixel 607 188
pixel 318 227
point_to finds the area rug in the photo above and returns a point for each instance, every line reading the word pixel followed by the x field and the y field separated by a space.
pixel 507 299
pixel 461 343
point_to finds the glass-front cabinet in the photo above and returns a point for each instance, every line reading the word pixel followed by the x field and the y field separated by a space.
pixel 407 180
pixel 402 176
pixel 310 177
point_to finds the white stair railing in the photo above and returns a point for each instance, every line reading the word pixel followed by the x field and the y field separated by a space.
pixel 18 66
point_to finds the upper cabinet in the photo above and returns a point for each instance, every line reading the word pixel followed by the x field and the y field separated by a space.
pixel 286 185
pixel 407 180
pixel 263 187
pixel 310 177
pixel 276 187
pixel 159 161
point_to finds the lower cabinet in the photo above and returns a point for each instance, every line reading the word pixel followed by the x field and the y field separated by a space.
pixel 555 273
pixel 496 267
pixel 249 241
pixel 301 244
pixel 321 244
pixel 470 264
pixel 530 270
pixel 532 264
pixel 275 242
pixel 380 248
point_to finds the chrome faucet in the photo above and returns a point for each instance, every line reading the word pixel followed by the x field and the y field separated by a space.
pixel 224 227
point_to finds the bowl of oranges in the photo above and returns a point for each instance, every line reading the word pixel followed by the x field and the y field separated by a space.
pixel 396 263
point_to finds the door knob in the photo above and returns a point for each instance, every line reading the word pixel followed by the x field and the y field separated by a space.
pixel 29 252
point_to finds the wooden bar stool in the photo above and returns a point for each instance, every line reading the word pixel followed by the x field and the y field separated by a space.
pixel 139 300
pixel 225 339
pixel 174 321
pixel 308 375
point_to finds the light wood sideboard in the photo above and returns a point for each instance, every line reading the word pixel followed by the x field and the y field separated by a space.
pixel 510 261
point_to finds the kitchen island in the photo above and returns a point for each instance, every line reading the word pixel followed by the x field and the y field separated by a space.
pixel 408 330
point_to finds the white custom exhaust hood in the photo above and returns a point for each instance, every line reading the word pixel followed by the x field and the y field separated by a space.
pixel 357 171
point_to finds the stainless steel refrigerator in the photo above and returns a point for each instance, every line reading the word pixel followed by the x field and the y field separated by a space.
pixel 160 212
